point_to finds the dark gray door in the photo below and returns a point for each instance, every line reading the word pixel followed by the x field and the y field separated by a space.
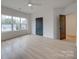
pixel 39 26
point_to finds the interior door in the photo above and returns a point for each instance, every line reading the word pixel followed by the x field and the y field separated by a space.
pixel 62 26
pixel 39 26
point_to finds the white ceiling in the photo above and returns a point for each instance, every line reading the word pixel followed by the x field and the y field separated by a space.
pixel 21 5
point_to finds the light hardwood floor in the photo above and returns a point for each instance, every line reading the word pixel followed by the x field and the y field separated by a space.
pixel 36 47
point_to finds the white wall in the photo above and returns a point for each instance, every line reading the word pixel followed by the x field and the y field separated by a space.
pixel 48 21
pixel 57 12
pixel 51 27
pixel 12 34
pixel 71 19
pixel 71 24
pixel 71 9
pixel 12 12
pixel 71 12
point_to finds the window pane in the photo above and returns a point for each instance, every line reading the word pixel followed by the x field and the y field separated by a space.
pixel 23 20
pixel 16 20
pixel 6 19
pixel 6 27
pixel 16 23
pixel 23 26
pixel 23 23
pixel 6 23
pixel 16 27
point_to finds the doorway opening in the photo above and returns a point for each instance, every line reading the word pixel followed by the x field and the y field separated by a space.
pixel 68 26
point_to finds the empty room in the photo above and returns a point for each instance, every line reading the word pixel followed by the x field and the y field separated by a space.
pixel 38 29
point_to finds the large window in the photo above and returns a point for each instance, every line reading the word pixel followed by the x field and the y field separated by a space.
pixel 6 23
pixel 11 23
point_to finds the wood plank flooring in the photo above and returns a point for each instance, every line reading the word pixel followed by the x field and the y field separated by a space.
pixel 36 47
